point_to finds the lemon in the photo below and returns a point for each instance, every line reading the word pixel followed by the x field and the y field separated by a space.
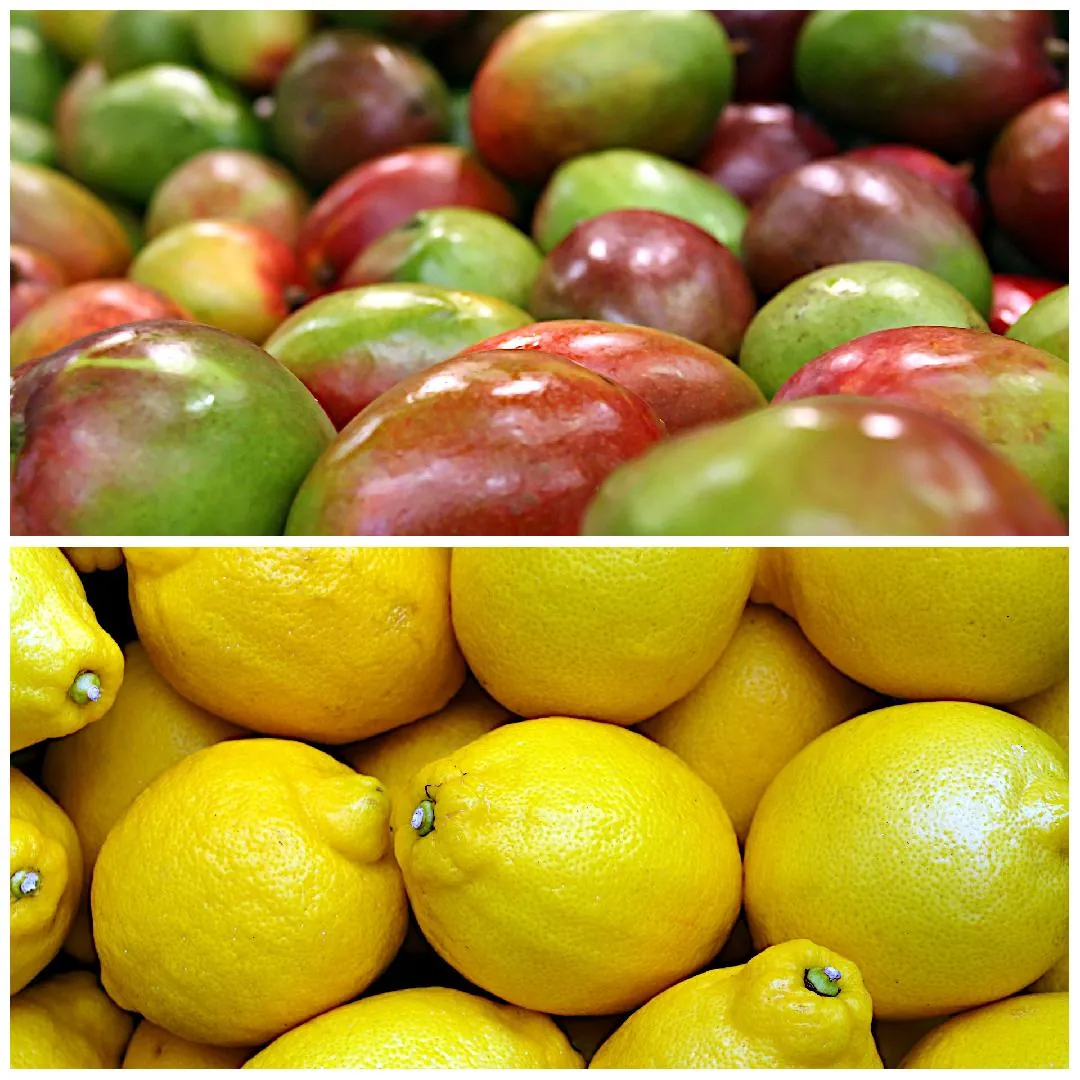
pixel 929 843
pixel 430 1028
pixel 1030 1032
pixel 609 633
pixel 248 888
pixel 67 1022
pixel 794 1006
pixel 46 877
pixel 395 756
pixel 152 1047
pixel 96 773
pixel 1049 711
pixel 568 866
pixel 65 670
pixel 324 644
pixel 769 695
pixel 974 624
pixel 88 559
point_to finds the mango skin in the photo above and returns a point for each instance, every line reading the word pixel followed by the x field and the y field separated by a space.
pixel 32 141
pixel 838 211
pixel 1012 396
pixel 159 428
pixel 839 303
pixel 37 75
pixel 59 216
pixel 454 247
pixel 833 466
pixel 945 80
pixel 593 184
pixel 136 129
pixel 1046 324
pixel 561 83
pixel 351 346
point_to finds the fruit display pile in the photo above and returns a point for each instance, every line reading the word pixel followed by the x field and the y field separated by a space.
pixel 731 273
pixel 539 807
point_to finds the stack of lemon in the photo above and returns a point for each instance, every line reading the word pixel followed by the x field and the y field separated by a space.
pixel 525 808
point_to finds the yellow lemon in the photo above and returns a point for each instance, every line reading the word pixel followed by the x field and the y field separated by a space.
pixel 974 624
pixel 794 1006
pixel 917 840
pixel 395 756
pixel 324 644
pixel 67 1022
pixel 1030 1032
pixel 609 633
pixel 65 670
pixel 88 559
pixel 46 878
pixel 430 1028
pixel 247 889
pixel 96 773
pixel 1049 711
pixel 568 866
pixel 769 695
pixel 152 1047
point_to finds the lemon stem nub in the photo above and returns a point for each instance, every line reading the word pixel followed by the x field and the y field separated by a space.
pixel 25 883
pixel 823 981
pixel 85 688
pixel 423 819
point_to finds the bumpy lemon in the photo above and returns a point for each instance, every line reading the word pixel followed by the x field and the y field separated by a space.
pixel 1030 1032
pixel 794 1006
pixel 46 878
pixel 88 559
pixel 432 1028
pixel 569 866
pixel 916 840
pixel 65 670
pixel 96 773
pixel 609 633
pixel 973 624
pixel 395 756
pixel 67 1022
pixel 325 644
pixel 152 1047
pixel 769 695
pixel 1049 711
pixel 247 889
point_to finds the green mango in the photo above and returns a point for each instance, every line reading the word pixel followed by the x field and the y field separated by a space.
pixel 28 19
pixel 835 305
pixel 160 428
pixel 136 39
pixel 455 247
pixel 1046 324
pixel 75 34
pixel 593 184
pixel 562 83
pixel 350 346
pixel 945 80
pixel 138 128
pixel 37 75
pixel 32 141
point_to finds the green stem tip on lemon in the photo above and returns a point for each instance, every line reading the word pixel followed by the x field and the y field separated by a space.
pixel 423 818
pixel 25 883
pixel 823 981
pixel 85 688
